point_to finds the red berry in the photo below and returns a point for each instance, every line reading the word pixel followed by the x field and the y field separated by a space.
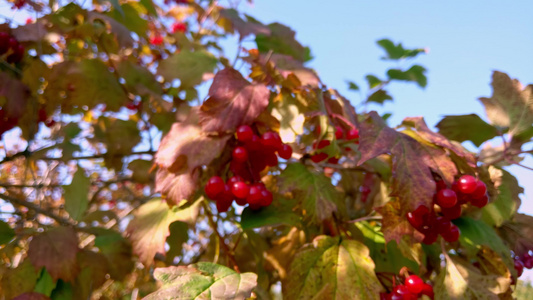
pixel 241 201
pixel 414 220
pixel 401 292
pixel 441 185
pixel 442 225
pixel 414 284
pixel 179 27
pixel 430 237
pixel 333 160
pixel 519 267
pixel 235 179
pixel 254 143
pixel 352 134
pixel 244 133
pixel 527 260
pixel 446 198
pixel 452 213
pixel 214 186
pixel 271 139
pixel 321 144
pixel 480 191
pixel 452 234
pixel 285 151
pixel 4 42
pixel 481 202
pixel 156 40
pixel 240 189
pixel 318 157
pixel 339 133
pixel 223 204
pixel 240 154
pixel 254 196
pixel 467 184
pixel 428 291
pixel 266 197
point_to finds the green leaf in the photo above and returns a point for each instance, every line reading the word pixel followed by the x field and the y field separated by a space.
pixel 128 15
pixel 45 284
pixel 332 268
pixel 77 195
pixel 475 233
pixel 188 67
pixel 503 207
pixel 386 256
pixel 352 86
pixel 118 253
pixel 459 280
pixel 115 4
pixel 379 96
pixel 282 40
pixel 139 79
pixel 373 81
pixel 395 52
pixel 467 128
pixel 6 233
pixel 202 281
pixel 415 73
pixel 511 105
pixel 177 237
pixel 148 230
pixel 315 192
pixel 269 216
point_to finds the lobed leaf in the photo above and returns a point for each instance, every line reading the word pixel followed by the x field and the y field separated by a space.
pixel 202 281
pixel 453 128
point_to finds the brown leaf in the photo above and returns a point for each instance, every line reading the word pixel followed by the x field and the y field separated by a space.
pixel 16 94
pixel 282 252
pixel 19 280
pixel 518 233
pixel 286 65
pixel 436 138
pixel 187 147
pixel 33 32
pixel 511 105
pixel 395 224
pixel 411 162
pixel 232 101
pixel 94 268
pixel 56 250
pixel 176 187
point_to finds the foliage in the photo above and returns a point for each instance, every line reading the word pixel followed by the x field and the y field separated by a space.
pixel 121 119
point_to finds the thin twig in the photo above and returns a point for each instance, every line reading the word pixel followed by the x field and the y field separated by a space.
pixel 61 220
pixel 365 219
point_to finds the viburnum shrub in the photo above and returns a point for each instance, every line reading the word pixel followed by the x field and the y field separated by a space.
pixel 139 161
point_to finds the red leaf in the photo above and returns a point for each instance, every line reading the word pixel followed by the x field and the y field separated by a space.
pixel 186 146
pixel 175 187
pixel 16 94
pixel 56 250
pixel 233 101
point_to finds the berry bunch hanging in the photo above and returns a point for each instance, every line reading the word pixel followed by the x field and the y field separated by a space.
pixel 413 288
pixel 249 158
pixel 467 189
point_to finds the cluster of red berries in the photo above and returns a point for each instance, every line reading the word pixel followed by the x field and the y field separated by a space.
pixel 521 262
pixel 249 158
pixel 6 123
pixel 179 27
pixel 9 45
pixel 351 135
pixel 413 288
pixel 466 189
pixel 156 40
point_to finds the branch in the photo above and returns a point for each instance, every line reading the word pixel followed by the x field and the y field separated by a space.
pixel 61 220
pixel 365 219
pixel 221 238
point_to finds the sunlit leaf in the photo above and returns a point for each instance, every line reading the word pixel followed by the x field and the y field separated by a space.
pixel 333 268
pixel 203 281
pixel 188 67
pixel 45 284
pixel 453 127
pixel 21 279
pixel 77 195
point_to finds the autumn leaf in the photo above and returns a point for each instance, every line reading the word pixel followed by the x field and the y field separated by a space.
pixel 412 164
pixel 453 128
pixel 244 27
pixel 281 253
pixel 232 101
pixel 318 197
pixel 76 195
pixel 518 233
pixel 186 146
pixel 149 228
pixel 458 280
pixel 511 105
pixel 16 96
pixel 31 296
pixel 176 188
pixel 188 67
pixel 504 205
pixel 21 279
pixel 56 250
pixel 333 268
pixel 203 281
pixel 395 224
pixel 94 268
